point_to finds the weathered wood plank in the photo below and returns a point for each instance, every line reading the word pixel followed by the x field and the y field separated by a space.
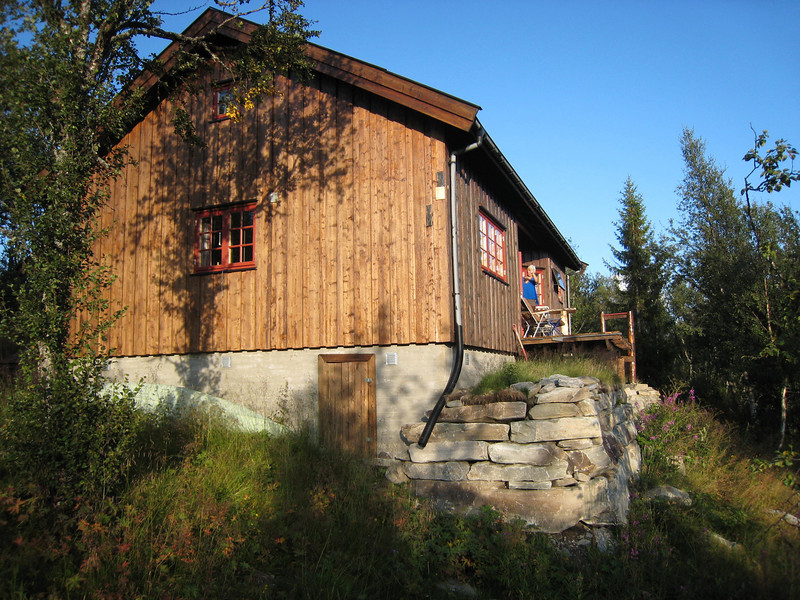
pixel 114 257
pixel 310 253
pixel 261 282
pixel 278 330
pixel 159 268
pixel 345 205
pixel 178 233
pixel 400 204
pixel 323 267
pixel 235 308
pixel 384 250
pixel 140 250
pixel 365 281
pixel 192 314
pixel 293 312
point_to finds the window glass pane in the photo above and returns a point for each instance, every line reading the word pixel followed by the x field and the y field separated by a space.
pixel 223 100
pixel 225 237
pixel 492 246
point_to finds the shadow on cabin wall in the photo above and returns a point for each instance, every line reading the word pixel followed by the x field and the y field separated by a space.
pixel 276 147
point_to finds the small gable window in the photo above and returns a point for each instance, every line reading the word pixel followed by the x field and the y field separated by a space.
pixel 223 98
pixel 225 239
pixel 493 246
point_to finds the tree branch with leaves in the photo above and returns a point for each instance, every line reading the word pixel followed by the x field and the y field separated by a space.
pixel 67 98
pixel 779 255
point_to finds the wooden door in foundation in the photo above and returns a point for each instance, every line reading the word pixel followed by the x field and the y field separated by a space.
pixel 347 403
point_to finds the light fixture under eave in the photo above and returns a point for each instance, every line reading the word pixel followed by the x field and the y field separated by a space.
pixel 273 198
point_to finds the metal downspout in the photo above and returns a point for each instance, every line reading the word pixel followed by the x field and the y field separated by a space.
pixel 458 357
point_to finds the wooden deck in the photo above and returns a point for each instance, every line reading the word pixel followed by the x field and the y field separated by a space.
pixel 614 337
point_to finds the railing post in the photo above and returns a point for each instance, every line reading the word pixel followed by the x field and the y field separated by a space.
pixel 632 340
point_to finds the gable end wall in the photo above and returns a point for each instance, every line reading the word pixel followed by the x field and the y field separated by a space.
pixel 344 258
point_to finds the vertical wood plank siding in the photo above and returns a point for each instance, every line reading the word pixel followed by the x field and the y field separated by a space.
pixel 344 258
pixel 490 306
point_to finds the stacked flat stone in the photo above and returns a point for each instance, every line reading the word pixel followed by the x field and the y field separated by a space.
pixel 553 452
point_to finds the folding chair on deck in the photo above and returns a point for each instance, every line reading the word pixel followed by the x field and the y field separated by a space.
pixel 536 320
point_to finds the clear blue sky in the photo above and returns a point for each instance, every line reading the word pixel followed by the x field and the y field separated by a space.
pixel 579 95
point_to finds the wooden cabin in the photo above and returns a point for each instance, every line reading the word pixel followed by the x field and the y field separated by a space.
pixel 301 263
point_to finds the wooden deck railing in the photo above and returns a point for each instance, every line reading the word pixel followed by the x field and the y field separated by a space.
pixel 631 359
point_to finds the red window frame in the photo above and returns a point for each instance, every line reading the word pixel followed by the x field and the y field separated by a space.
pixel 223 97
pixel 225 239
pixel 493 246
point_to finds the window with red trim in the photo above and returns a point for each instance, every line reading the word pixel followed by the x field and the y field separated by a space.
pixel 225 239
pixel 223 98
pixel 493 246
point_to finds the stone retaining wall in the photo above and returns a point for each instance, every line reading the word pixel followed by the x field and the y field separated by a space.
pixel 554 453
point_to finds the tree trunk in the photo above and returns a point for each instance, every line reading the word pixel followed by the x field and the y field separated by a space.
pixel 784 410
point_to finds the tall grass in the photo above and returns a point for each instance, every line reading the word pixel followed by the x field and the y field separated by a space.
pixel 731 541
pixel 217 513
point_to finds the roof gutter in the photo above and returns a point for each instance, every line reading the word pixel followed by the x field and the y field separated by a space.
pixel 458 358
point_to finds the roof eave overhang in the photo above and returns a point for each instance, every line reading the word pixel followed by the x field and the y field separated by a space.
pixel 499 160
pixel 429 101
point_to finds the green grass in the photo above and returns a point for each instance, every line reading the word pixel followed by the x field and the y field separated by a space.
pixel 215 513
pixel 534 370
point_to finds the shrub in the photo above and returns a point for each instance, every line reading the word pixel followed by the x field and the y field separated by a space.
pixel 69 437
pixel 676 433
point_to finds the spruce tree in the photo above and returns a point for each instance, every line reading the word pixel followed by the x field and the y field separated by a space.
pixel 640 275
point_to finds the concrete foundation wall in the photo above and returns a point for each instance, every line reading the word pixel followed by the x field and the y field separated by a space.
pixel 283 384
